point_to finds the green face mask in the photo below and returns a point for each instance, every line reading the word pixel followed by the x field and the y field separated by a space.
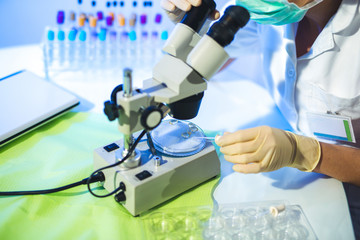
pixel 276 12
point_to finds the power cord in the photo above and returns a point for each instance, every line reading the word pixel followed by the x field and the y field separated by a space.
pixel 131 150
pixel 96 176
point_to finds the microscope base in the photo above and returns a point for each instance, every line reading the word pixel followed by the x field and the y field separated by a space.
pixel 149 185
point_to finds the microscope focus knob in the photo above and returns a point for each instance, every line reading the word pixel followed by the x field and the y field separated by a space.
pixel 111 110
pixel 151 117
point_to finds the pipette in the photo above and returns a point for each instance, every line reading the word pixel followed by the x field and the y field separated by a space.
pixel 206 138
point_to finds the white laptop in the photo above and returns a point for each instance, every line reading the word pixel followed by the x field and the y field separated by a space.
pixel 28 101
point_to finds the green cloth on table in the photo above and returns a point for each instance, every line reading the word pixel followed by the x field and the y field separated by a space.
pixel 60 153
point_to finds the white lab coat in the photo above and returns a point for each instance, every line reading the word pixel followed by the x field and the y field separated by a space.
pixel 325 79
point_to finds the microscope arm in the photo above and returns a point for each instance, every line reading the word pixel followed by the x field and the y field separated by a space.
pixel 180 80
pixel 142 181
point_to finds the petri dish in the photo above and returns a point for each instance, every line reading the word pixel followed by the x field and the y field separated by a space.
pixel 178 138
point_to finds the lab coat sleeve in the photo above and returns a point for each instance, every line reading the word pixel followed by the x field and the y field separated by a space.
pixel 246 41
pixel 246 50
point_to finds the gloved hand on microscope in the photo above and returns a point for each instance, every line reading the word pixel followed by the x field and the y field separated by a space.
pixel 176 9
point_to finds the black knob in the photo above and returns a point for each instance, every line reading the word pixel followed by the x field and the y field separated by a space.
pixel 151 117
pixel 111 110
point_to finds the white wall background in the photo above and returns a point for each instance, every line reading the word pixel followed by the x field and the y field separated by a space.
pixel 23 21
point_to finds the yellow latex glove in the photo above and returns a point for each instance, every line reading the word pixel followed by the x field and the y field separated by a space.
pixel 265 149
pixel 175 9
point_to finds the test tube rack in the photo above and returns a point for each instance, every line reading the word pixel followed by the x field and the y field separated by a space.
pixel 105 35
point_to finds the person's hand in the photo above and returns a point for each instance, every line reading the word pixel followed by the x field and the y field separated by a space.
pixel 176 9
pixel 265 149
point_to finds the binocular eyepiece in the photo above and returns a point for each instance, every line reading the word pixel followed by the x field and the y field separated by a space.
pixel 222 31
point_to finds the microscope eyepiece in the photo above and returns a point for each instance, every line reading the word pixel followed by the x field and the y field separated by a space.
pixel 197 16
pixel 224 30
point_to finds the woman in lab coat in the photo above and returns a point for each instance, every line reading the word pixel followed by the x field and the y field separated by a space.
pixel 310 60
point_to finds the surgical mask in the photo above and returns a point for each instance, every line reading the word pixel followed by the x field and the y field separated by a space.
pixel 276 12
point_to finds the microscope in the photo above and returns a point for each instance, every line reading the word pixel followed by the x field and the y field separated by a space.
pixel 139 176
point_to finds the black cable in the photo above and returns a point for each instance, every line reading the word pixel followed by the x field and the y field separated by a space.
pixel 151 144
pixel 96 178
pixel 131 150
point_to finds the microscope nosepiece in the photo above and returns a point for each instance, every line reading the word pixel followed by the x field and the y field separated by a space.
pixel 186 108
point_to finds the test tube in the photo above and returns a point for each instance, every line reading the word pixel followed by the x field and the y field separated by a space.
pixel 107 42
pixel 81 43
pixel 112 48
pixel 60 36
pixel 143 19
pixel 132 20
pixel 81 21
pixel 121 39
pixel 71 48
pixel 101 47
pixel 132 53
pixel 93 23
pixel 72 18
pixel 91 42
pixel 121 20
pixel 48 50
pixel 82 48
pixel 143 46
pixel 109 23
pixel 100 18
pixel 60 18
pixel 123 47
pixel 154 39
pixel 162 37
pixel 50 45
pixel 159 36
pixel 132 49
pixel 158 18
pixel 61 46
pixel 112 15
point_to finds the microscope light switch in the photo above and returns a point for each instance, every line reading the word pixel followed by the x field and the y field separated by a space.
pixel 143 175
pixel 111 147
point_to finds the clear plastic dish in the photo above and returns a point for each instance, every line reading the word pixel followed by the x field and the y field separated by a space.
pixel 178 138
pixel 170 224
pixel 256 221
pixel 230 221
